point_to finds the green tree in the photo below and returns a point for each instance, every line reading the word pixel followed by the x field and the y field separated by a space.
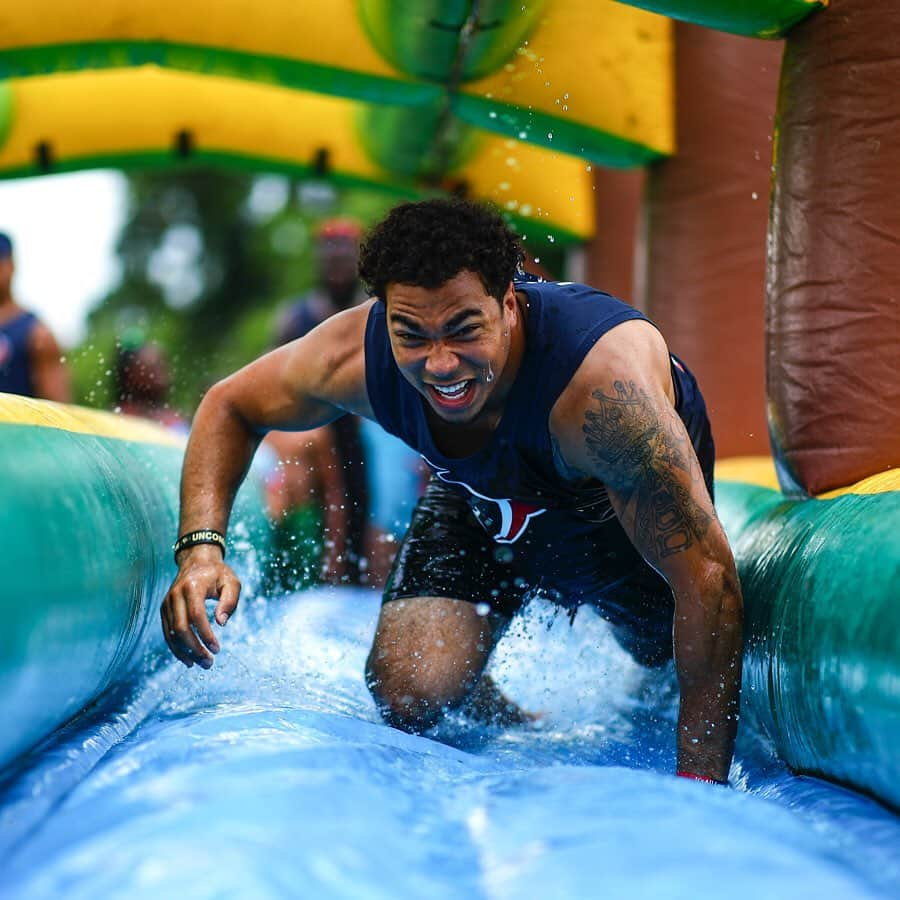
pixel 208 257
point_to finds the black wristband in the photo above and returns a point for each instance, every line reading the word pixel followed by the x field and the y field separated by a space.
pixel 203 536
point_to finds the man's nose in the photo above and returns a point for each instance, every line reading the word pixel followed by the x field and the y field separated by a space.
pixel 441 361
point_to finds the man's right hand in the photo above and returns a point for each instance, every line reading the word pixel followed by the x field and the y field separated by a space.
pixel 202 573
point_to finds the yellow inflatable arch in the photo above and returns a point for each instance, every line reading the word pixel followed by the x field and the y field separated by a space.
pixel 142 117
pixel 512 102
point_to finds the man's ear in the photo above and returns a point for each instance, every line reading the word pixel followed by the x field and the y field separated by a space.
pixel 509 298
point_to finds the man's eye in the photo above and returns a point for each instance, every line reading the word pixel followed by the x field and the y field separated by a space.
pixel 408 337
pixel 467 331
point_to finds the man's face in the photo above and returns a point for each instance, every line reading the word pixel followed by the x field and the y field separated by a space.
pixel 338 258
pixel 149 376
pixel 452 343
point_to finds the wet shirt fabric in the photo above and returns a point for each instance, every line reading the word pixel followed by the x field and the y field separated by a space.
pixel 521 526
pixel 15 366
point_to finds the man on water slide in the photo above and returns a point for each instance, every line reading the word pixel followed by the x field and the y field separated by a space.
pixel 571 455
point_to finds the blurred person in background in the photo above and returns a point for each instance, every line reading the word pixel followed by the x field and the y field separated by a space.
pixel 142 381
pixel 317 497
pixel 30 359
pixel 336 254
pixel 339 493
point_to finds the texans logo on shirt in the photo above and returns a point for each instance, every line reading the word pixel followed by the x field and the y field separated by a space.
pixel 505 520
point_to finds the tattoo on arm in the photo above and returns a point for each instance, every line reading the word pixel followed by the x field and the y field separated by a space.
pixel 644 459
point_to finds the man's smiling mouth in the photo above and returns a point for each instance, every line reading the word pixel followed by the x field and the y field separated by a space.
pixel 452 395
pixel 452 390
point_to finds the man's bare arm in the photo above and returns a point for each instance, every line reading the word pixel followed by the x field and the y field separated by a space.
pixel 49 373
pixel 633 440
pixel 298 387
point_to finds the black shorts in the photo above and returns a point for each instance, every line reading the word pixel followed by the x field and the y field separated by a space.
pixel 447 553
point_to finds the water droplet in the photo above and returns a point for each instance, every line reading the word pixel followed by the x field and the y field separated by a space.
pixel 492 115
pixel 549 135
pixel 755 196
pixel 482 609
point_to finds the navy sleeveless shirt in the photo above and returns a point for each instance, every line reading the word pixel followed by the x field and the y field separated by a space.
pixel 15 366
pixel 513 477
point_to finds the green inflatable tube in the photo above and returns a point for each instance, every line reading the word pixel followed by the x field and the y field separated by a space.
pixel 822 632
pixel 416 143
pixel 293 73
pixel 6 112
pixel 425 39
pixel 752 18
pixel 87 523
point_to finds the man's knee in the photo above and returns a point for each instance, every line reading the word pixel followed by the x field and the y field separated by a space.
pixel 407 702
pixel 427 655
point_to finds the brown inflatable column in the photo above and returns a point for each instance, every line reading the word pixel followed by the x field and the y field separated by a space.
pixel 833 316
pixel 705 227
pixel 610 255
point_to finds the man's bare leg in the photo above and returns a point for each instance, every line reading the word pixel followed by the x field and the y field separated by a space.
pixel 427 657
pixel 487 703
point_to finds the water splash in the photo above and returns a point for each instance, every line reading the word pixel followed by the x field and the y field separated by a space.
pixel 281 758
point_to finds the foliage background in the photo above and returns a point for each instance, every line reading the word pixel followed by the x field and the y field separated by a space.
pixel 209 259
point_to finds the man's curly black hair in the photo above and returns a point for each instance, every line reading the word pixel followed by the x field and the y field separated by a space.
pixel 427 243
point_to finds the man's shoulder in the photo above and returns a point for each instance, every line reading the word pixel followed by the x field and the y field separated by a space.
pixel 634 351
pixel 13 314
pixel 41 338
pixel 346 325
pixel 525 281
pixel 575 309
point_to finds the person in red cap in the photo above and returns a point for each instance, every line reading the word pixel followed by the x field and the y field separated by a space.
pixel 324 475
pixel 337 285
pixel 30 362
pixel 341 485
pixel 142 381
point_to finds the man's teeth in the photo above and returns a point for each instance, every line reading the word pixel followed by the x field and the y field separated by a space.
pixel 452 389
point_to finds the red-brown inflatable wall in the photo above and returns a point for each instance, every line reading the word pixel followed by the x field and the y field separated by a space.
pixel 833 314
pixel 610 257
pixel 705 226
